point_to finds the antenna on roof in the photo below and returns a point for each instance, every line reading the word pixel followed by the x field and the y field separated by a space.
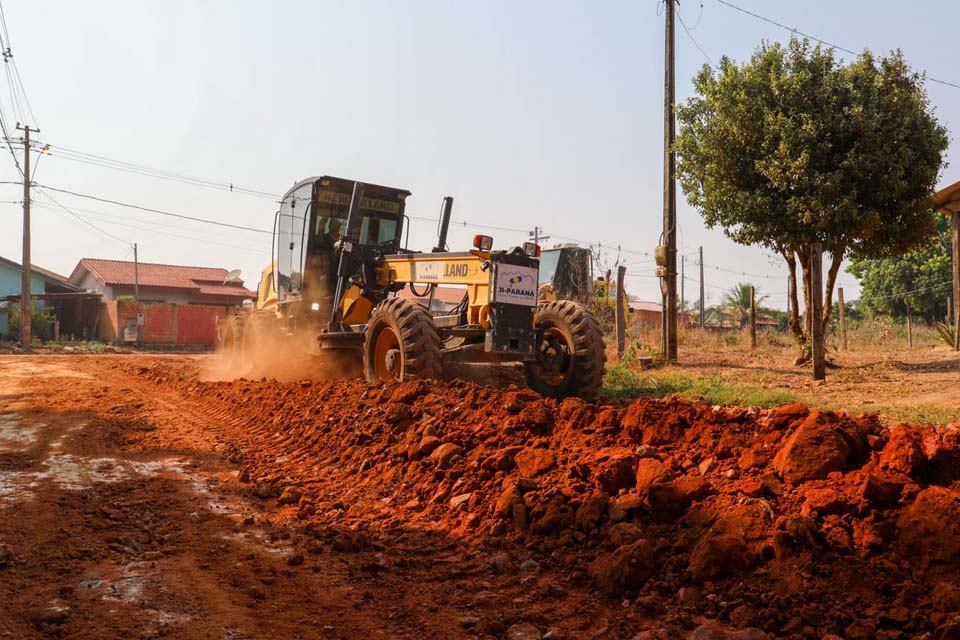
pixel 233 276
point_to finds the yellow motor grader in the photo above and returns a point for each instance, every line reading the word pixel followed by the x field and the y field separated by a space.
pixel 339 263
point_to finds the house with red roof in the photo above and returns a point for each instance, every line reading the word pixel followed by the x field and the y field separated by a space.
pixel 168 283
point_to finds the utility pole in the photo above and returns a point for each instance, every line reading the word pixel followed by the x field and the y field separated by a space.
pixel 843 319
pixel 25 266
pixel 753 317
pixel 669 189
pixel 136 274
pixel 788 297
pixel 909 327
pixel 621 316
pixel 683 282
pixel 537 235
pixel 955 252
pixel 816 312
pixel 701 288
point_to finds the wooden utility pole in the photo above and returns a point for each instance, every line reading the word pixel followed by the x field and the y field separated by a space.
pixel 816 321
pixel 683 282
pixel 788 297
pixel 909 327
pixel 669 189
pixel 536 235
pixel 701 288
pixel 621 316
pixel 136 274
pixel 25 264
pixel 753 317
pixel 843 319
pixel 955 246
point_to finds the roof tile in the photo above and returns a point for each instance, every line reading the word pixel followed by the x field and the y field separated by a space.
pixel 203 280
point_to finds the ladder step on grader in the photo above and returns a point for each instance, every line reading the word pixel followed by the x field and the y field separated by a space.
pixel 339 263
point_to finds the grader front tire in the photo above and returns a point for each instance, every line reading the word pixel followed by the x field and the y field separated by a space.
pixel 570 352
pixel 401 343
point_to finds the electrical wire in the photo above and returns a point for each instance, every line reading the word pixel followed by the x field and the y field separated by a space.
pixel 81 218
pixel 129 167
pixel 18 94
pixel 816 39
pixel 906 293
pixel 205 241
pixel 157 211
pixel 158 227
pixel 690 35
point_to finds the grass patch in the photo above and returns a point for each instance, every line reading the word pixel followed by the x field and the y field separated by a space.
pixel 623 382
pixel 910 414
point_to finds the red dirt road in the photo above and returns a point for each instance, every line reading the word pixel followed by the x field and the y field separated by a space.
pixel 137 501
pixel 121 516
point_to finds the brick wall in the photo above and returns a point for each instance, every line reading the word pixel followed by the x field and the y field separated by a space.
pixel 163 323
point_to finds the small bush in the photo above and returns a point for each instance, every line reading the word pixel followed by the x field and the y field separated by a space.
pixel 946 334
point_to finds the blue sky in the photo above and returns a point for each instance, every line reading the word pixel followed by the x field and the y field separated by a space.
pixel 535 113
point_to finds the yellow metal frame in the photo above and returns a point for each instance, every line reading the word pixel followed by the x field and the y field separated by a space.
pixel 418 269
pixel 445 268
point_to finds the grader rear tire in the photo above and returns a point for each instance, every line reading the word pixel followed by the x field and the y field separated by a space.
pixel 401 343
pixel 570 353
pixel 231 341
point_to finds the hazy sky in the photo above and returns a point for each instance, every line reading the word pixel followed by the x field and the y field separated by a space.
pixel 528 113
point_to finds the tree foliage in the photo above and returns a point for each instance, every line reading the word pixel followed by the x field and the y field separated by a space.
pixel 794 147
pixel 918 280
pixel 736 302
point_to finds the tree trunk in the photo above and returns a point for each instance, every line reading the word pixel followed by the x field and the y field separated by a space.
pixel 793 320
pixel 804 254
pixel 836 257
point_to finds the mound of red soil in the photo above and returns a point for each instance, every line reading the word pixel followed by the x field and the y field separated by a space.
pixel 800 523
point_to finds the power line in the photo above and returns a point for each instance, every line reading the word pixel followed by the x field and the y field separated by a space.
pixel 130 167
pixel 14 79
pixel 906 293
pixel 690 35
pixel 81 218
pixel 816 39
pixel 150 225
pixel 192 238
pixel 157 211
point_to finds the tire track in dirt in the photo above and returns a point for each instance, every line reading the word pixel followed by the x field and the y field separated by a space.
pixel 144 555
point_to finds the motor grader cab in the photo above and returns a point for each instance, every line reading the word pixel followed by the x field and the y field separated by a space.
pixel 339 264
pixel 566 273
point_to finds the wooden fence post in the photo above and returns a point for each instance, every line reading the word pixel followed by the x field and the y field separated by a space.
pixel 816 321
pixel 955 250
pixel 621 316
pixel 843 319
pixel 753 317
pixel 909 328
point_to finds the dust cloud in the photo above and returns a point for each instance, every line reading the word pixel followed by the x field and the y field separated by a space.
pixel 282 357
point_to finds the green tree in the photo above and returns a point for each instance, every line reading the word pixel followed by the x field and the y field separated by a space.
pixel 736 303
pixel 919 279
pixel 794 148
pixel 41 318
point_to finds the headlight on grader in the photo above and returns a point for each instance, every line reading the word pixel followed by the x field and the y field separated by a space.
pixel 532 249
pixel 483 243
